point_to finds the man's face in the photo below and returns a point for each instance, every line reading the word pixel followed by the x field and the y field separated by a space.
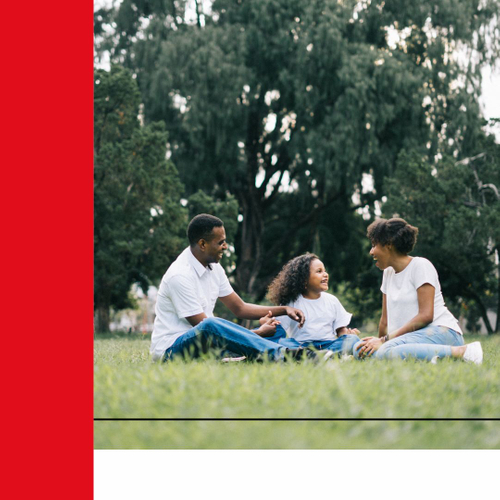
pixel 215 246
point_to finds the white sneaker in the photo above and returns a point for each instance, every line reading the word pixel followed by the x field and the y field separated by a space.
pixel 434 360
pixel 233 360
pixel 326 355
pixel 346 358
pixel 474 353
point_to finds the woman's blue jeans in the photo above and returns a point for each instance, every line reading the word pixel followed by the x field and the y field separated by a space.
pixel 218 333
pixel 422 344
pixel 341 345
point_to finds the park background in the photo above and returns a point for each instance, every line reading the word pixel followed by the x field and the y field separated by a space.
pixel 297 123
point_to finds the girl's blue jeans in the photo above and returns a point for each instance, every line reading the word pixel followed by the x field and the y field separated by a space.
pixel 423 344
pixel 341 345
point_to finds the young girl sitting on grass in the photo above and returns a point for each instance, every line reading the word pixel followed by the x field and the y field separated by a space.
pixel 303 283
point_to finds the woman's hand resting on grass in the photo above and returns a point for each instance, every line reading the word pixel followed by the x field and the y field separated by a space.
pixel 368 346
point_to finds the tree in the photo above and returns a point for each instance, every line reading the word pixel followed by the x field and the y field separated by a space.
pixel 288 105
pixel 456 206
pixel 138 220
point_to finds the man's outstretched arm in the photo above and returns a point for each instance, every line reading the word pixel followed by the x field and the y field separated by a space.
pixel 243 310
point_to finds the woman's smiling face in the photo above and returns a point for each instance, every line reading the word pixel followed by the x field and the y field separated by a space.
pixel 318 277
pixel 382 255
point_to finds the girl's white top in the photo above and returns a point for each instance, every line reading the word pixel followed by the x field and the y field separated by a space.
pixel 401 295
pixel 323 317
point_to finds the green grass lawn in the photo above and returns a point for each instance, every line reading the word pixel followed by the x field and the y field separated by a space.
pixel 128 385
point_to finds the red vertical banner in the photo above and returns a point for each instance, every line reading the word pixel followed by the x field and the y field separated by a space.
pixel 46 257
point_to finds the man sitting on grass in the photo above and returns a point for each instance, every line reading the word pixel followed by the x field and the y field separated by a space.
pixel 185 324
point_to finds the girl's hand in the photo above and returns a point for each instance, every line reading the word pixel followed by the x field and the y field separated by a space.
pixel 368 346
pixel 268 319
pixel 347 331
pixel 267 329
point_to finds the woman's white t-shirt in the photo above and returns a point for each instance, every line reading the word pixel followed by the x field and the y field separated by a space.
pixel 323 317
pixel 401 295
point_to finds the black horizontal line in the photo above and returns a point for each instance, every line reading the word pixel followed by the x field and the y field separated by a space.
pixel 295 419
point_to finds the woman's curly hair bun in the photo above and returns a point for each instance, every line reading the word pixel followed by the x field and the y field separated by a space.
pixel 396 232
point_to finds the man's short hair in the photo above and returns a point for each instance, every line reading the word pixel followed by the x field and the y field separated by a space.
pixel 201 227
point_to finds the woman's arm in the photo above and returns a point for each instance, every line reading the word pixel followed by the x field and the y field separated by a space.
pixel 382 326
pixel 425 295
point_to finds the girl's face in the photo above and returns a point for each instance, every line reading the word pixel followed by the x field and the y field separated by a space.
pixel 318 277
pixel 382 255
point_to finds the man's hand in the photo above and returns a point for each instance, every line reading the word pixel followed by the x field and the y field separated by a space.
pixel 368 346
pixel 296 314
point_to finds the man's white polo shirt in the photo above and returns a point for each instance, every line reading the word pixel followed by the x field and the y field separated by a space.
pixel 186 289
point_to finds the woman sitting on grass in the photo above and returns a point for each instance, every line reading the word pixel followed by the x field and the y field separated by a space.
pixel 303 283
pixel 415 322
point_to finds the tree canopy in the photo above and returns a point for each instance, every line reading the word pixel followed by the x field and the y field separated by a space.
pixel 295 108
pixel 138 220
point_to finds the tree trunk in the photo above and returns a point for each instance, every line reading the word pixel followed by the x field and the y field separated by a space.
pixel 250 255
pixel 102 325
pixel 497 326
pixel 198 17
pixel 477 299
pixel 484 313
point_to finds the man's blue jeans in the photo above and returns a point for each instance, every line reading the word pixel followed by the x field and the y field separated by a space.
pixel 220 334
pixel 422 344
pixel 341 345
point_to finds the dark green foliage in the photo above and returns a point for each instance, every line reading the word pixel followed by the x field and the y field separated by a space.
pixel 138 220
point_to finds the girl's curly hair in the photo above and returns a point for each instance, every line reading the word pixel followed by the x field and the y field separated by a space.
pixel 291 281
